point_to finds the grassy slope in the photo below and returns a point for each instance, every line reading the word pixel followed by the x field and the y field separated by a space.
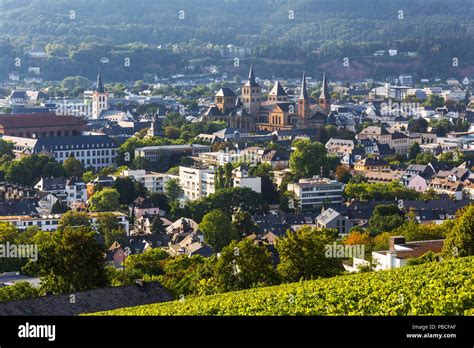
pixel 444 288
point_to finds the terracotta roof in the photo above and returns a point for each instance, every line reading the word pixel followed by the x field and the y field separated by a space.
pixel 39 120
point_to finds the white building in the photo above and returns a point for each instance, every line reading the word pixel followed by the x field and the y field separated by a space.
pixel 49 223
pixel 313 193
pixel 200 182
pixel 152 181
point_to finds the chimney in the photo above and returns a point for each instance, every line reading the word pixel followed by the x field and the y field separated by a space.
pixel 396 240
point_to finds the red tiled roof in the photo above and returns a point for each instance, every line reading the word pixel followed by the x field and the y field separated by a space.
pixel 39 120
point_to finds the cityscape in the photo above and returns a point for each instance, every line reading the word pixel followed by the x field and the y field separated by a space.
pixel 266 158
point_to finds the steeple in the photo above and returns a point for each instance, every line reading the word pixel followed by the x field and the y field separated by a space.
pixel 325 97
pixel 325 91
pixel 100 85
pixel 304 91
pixel 251 82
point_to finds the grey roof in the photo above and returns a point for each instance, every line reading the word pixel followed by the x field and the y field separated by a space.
pixel 251 82
pixel 225 92
pixel 50 184
pixel 51 143
pixel 90 301
pixel 325 92
pixel 304 91
pixel 327 216
pixel 19 207
pixel 100 85
pixel 277 90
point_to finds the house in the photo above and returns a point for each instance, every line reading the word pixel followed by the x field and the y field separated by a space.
pixel 331 218
pixel 70 191
pixel 277 158
pixel 144 206
pixel 192 244
pixel 401 251
pixel 372 164
pixel 425 171
pixel 46 201
pixel 116 255
pixel 414 182
pixel 450 187
pixel 382 177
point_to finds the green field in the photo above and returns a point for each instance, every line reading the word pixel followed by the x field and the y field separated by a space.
pixel 444 288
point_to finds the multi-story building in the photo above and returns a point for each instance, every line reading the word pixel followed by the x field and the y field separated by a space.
pixel 313 193
pixel 155 154
pixel 152 181
pixel 70 191
pixel 95 151
pixel 200 182
pixel 50 222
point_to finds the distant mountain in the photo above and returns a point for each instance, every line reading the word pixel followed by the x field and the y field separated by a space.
pixel 311 33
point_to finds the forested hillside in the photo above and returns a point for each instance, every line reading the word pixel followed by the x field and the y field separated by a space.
pixel 432 289
pixel 308 34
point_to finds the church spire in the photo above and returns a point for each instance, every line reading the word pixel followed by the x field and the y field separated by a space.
pixel 304 91
pixel 100 84
pixel 251 82
pixel 325 91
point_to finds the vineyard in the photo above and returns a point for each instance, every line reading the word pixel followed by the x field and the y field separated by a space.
pixel 444 288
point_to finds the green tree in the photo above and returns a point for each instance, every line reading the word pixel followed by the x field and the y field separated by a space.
pixel 73 219
pixel 105 200
pixel 150 262
pixel 59 207
pixel 173 190
pixel 460 238
pixel 18 291
pixel 69 260
pixel 308 158
pixel 385 218
pixel 117 235
pixel 414 150
pixel 157 226
pixel 125 186
pixel 74 167
pixel 244 265
pixel 243 223
pixel 303 254
pixel 218 230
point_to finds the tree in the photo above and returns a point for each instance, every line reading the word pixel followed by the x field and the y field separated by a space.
pixel 125 186
pixel 150 262
pixel 358 238
pixel 107 222
pixel 18 291
pixel 308 158
pixel 157 226
pixel 69 260
pixel 244 265
pixel 73 219
pixel 59 207
pixel 173 190
pixel 182 274
pixel 6 148
pixel 385 219
pixel 382 241
pixel 105 200
pixel 74 167
pixel 243 223
pixel 414 150
pixel 88 176
pixel 343 174
pixel 289 202
pixel 302 254
pixel 117 235
pixel 460 239
pixel 218 230
pixel 434 101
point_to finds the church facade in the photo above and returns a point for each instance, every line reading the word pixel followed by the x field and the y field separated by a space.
pixel 248 112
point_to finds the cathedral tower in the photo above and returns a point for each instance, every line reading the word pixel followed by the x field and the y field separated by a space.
pixel 251 95
pixel 100 98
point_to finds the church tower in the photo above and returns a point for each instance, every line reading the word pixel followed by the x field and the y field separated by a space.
pixel 325 97
pixel 303 101
pixel 100 98
pixel 251 95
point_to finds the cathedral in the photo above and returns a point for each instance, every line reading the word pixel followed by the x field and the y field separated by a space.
pixel 249 113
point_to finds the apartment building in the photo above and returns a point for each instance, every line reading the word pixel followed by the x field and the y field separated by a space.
pixel 200 182
pixel 313 193
pixel 152 181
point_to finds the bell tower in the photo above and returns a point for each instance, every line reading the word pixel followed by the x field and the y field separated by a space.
pixel 100 98
pixel 251 95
